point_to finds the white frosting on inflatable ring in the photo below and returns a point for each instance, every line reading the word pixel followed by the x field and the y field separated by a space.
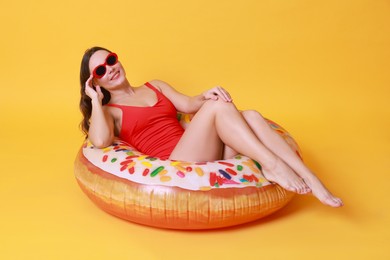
pixel 178 194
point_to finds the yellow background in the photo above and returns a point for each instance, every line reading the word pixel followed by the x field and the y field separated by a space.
pixel 318 68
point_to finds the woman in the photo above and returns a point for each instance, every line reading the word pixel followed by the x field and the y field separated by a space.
pixel 145 117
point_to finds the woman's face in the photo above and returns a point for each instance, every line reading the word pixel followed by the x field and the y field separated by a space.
pixel 115 74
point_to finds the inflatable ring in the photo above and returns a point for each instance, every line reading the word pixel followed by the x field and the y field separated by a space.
pixel 177 194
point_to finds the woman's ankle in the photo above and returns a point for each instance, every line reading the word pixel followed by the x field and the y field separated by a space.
pixel 270 163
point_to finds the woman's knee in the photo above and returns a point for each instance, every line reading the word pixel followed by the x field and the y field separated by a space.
pixel 253 116
pixel 218 104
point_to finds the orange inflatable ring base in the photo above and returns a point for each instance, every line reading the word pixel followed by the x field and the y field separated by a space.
pixel 176 194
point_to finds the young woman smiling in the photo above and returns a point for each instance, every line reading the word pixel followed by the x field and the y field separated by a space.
pixel 145 117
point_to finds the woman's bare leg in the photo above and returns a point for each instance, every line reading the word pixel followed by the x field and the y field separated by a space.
pixel 280 148
pixel 218 123
pixel 228 152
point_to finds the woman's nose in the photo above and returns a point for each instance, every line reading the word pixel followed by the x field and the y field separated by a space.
pixel 110 69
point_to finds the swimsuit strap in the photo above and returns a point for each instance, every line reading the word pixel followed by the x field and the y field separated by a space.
pixel 149 85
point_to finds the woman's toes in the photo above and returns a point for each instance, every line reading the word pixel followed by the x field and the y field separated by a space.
pixel 333 202
pixel 291 188
pixel 303 188
pixel 307 189
pixel 339 202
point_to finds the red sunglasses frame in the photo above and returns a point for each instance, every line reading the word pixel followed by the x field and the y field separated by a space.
pixel 112 54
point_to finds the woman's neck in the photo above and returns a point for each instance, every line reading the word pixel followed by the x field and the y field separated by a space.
pixel 123 90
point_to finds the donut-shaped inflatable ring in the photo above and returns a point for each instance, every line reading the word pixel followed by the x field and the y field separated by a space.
pixel 177 194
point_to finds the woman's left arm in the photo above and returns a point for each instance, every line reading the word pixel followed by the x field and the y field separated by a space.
pixel 187 104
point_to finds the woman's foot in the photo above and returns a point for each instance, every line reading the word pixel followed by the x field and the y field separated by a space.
pixel 283 175
pixel 321 193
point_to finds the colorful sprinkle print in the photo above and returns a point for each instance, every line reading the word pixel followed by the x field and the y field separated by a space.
pixel 122 160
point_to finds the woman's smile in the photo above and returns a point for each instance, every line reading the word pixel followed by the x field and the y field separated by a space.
pixel 115 76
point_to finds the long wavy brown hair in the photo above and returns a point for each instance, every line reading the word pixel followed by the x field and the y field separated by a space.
pixel 85 101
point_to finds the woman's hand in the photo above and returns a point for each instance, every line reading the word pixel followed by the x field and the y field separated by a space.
pixel 94 92
pixel 216 93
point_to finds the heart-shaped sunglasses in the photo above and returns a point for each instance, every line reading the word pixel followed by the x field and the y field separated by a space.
pixel 101 69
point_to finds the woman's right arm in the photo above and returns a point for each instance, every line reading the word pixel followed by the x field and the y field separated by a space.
pixel 101 128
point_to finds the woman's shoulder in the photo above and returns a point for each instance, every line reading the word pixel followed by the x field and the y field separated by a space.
pixel 110 110
pixel 156 82
pixel 160 85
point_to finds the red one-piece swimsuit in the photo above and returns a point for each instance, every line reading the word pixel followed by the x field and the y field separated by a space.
pixel 154 130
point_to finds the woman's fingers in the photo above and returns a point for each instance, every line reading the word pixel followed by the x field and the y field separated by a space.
pixel 89 82
pixel 219 92
pixel 99 91
pixel 224 94
pixel 209 94
pixel 94 92
pixel 89 85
